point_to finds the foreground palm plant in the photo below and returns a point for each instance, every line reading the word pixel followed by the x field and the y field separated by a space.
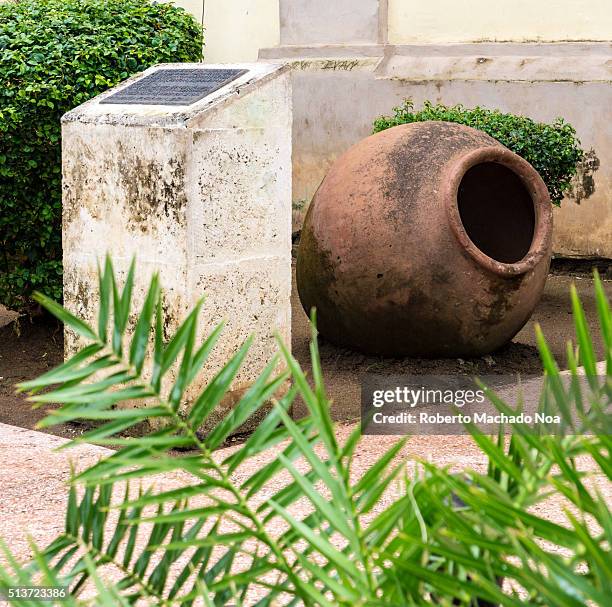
pixel 230 533
pixel 565 561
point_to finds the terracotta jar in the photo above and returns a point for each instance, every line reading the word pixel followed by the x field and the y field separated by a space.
pixel 429 239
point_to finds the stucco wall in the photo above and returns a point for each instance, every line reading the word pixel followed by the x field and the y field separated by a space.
pixel 438 21
pixel 540 58
pixel 338 91
pixel 235 30
pixel 193 6
pixel 322 21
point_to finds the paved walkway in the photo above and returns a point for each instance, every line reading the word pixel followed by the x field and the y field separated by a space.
pixel 33 475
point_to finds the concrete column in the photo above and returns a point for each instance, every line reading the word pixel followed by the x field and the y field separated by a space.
pixel 200 193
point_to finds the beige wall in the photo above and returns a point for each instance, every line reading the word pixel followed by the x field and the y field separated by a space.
pixel 415 21
pixel 438 21
pixel 329 22
pixel 193 6
pixel 235 30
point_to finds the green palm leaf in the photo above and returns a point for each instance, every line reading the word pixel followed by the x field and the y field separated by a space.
pixel 298 528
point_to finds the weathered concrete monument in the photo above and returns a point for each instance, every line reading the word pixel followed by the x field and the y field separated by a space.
pixel 188 168
pixel 428 239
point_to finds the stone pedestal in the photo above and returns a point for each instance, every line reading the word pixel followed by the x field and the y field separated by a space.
pixel 200 193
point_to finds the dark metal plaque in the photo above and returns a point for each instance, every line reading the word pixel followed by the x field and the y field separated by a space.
pixel 174 87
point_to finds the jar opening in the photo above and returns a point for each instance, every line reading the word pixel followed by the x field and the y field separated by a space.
pixel 497 211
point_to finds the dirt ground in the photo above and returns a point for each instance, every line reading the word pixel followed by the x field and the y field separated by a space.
pixel 27 350
pixel 343 369
pixel 36 347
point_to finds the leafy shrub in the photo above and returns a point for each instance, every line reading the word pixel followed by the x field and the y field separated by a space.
pixel 232 532
pixel 552 149
pixel 55 55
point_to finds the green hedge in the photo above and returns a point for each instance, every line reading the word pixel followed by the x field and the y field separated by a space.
pixel 552 149
pixel 55 55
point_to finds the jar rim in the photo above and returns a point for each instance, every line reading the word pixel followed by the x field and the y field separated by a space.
pixel 535 186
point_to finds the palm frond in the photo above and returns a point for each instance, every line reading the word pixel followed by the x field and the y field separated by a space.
pixel 297 528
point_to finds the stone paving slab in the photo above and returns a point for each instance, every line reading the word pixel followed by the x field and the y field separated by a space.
pixel 34 473
pixel 33 477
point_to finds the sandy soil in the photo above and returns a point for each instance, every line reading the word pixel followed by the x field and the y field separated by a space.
pixel 29 349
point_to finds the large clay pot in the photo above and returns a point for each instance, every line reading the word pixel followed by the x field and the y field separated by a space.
pixel 428 239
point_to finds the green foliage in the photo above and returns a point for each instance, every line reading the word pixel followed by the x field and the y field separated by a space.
pixel 55 55
pixel 563 560
pixel 552 149
pixel 231 536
